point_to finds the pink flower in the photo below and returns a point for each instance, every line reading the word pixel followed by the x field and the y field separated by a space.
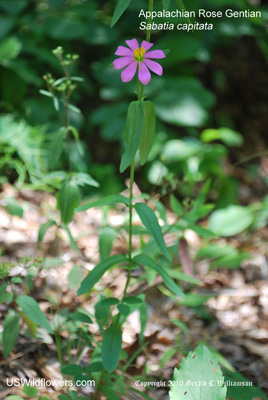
pixel 138 57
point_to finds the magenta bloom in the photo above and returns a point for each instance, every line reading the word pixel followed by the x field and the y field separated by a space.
pixel 138 57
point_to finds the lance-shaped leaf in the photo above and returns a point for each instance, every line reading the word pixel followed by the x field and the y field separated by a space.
pixel 134 129
pixel 10 332
pixel 199 376
pixel 43 229
pixel 32 310
pixel 111 348
pixel 105 201
pixel 169 282
pixel 148 133
pixel 149 220
pixel 68 199
pixel 120 8
pixel 98 271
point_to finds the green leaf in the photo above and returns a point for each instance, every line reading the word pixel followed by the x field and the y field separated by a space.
pixel 226 135
pixel 94 367
pixel 199 366
pixel 81 317
pixel 76 138
pixel 3 288
pixel 112 301
pixel 134 130
pixel 132 300
pixel 110 393
pixel 148 133
pixel 105 201
pixel 71 369
pixel 14 397
pixel 72 241
pixel 169 282
pixel 120 8
pixel 75 276
pixel 231 220
pixel 32 310
pixel 98 271
pixel 149 220
pixel 30 391
pixel 9 49
pixel 56 147
pixel 10 332
pixel 45 93
pixel 43 229
pixel 13 208
pixel 83 179
pixel 111 348
pixel 175 205
pixel 106 239
pixel 68 199
pixel 123 309
pixel 182 7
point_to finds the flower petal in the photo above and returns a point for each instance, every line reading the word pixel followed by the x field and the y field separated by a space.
pixel 144 74
pixel 146 45
pixel 129 71
pixel 123 51
pixel 154 66
pixel 133 44
pixel 122 62
pixel 155 54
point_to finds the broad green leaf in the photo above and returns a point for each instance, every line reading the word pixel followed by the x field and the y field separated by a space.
pixel 98 271
pixel 32 310
pixel 106 240
pixel 3 288
pixel 110 393
pixel 169 282
pixel 30 391
pixel 148 133
pixel 149 220
pixel 68 199
pixel 71 369
pixel 105 201
pixel 32 327
pixel 134 129
pixel 9 49
pixel 81 317
pixel 10 332
pixel 13 208
pixel 14 397
pixel 231 220
pixel 120 8
pixel 132 300
pixel 112 301
pixel 94 367
pixel 44 228
pixel 75 276
pixel 123 309
pixel 241 388
pixel 56 147
pixel 202 367
pixel 111 348
pixel 226 135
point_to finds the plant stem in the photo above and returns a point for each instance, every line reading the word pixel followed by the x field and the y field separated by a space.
pixel 148 38
pixel 96 394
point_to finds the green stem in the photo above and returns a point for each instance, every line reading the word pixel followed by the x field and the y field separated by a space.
pixel 96 394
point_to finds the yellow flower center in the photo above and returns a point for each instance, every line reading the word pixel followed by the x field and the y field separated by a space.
pixel 139 54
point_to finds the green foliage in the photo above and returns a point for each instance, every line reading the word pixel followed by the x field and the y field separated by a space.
pixel 111 347
pixel 231 221
pixel 134 130
pixel 30 391
pixel 150 222
pixel 98 271
pixel 121 6
pixel 10 332
pixel 68 199
pixel 32 310
pixel 148 133
pixel 199 377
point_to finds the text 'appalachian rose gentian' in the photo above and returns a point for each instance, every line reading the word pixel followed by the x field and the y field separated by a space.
pixel 136 57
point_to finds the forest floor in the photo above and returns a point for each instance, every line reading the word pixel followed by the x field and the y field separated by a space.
pixel 233 321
